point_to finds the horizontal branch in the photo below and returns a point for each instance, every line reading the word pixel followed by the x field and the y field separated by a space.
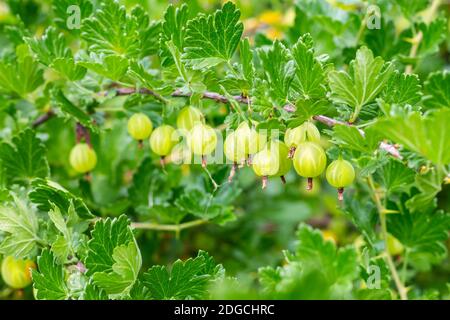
pixel 127 91
pixel 212 96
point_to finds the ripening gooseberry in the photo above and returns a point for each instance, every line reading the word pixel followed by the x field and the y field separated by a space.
pixel 188 117
pixel 303 133
pixel 285 162
pixel 139 126
pixel 17 272
pixel 234 151
pixel 181 154
pixel 266 163
pixel 83 158
pixel 251 140
pixel 310 161
pixel 163 140
pixel 202 140
pixel 340 174
pixel 234 148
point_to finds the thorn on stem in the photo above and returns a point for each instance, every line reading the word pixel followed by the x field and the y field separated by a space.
pixel 140 144
pixel 283 179
pixel 162 161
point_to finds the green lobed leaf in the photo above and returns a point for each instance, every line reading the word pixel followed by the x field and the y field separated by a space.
pixel 69 108
pixel 433 35
pixel 24 158
pixel 50 46
pixel 429 185
pixel 92 292
pixel 423 232
pixel 410 8
pixel 364 81
pixel 127 263
pixel 21 77
pixel 403 89
pixel 20 224
pixel 185 280
pixel 279 69
pixel 113 67
pixel 396 177
pixel 70 239
pixel 351 138
pixel 437 90
pixel 316 270
pixel 49 279
pixel 112 31
pixel 309 76
pixel 364 216
pixel 248 67
pixel 213 39
pixel 45 191
pixel 52 50
pixel 139 292
pixel 148 32
pixel 426 135
pixel 107 235
pixel 174 31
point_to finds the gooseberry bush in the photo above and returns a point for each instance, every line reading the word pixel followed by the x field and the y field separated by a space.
pixel 172 152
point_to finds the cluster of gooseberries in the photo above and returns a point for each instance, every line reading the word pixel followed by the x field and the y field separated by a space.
pixel 268 157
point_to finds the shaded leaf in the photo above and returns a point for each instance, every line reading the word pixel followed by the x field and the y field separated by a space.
pixel 20 224
pixel 21 77
pixel 45 191
pixel 185 280
pixel 24 158
pixel 437 90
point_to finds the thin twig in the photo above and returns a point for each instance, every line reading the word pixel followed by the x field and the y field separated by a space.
pixel 211 95
pixel 168 227
pixel 43 118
